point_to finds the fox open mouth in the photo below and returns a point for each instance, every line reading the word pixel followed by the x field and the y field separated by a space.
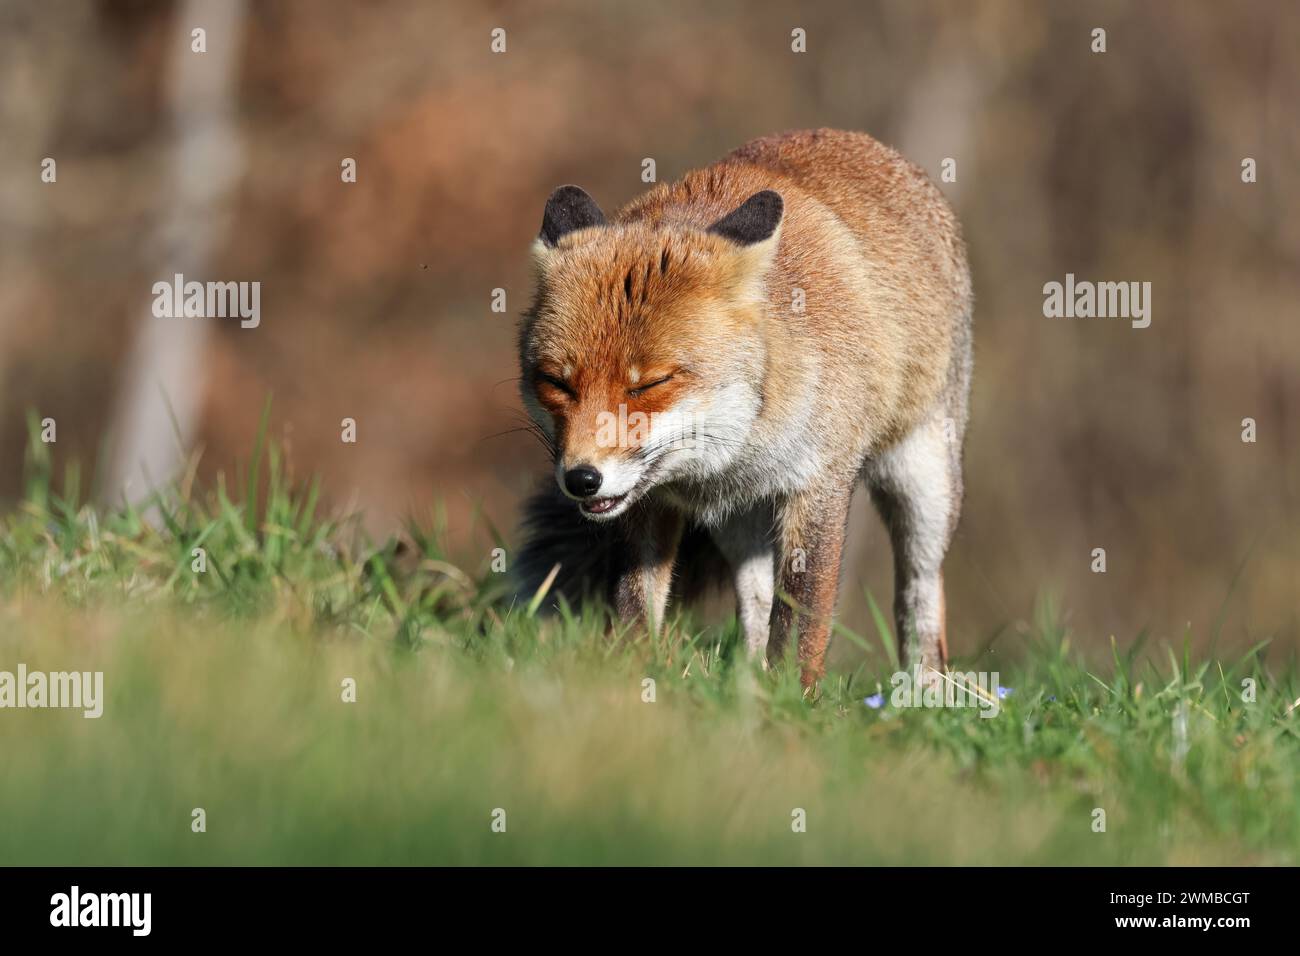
pixel 600 506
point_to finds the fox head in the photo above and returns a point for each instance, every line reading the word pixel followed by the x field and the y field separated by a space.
pixel 643 356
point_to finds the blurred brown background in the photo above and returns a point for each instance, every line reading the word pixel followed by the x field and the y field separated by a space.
pixel 1122 166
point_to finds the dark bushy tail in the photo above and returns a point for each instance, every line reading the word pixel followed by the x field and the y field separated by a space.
pixel 593 555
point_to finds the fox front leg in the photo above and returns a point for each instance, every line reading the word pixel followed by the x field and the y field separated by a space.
pixel 813 529
pixel 745 540
pixel 650 538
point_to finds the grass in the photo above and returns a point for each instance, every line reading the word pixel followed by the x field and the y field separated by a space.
pixel 224 692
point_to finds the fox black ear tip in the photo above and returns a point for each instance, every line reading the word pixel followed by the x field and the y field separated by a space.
pixel 770 205
pixel 566 192
pixel 568 208
pixel 754 220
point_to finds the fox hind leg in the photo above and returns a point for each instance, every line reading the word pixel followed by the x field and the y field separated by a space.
pixel 916 486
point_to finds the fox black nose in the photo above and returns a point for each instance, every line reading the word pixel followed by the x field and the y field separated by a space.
pixel 582 482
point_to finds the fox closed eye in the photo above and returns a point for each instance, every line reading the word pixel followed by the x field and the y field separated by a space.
pixel 634 392
pixel 556 383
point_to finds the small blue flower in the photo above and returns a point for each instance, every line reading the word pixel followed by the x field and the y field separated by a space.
pixel 1051 698
pixel 1005 692
pixel 875 701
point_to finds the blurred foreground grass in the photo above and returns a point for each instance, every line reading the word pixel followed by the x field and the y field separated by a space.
pixel 224 691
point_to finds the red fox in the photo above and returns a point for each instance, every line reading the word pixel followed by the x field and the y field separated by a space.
pixel 716 366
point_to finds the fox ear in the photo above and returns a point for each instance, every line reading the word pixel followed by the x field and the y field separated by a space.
pixel 569 208
pixel 755 228
pixel 752 221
